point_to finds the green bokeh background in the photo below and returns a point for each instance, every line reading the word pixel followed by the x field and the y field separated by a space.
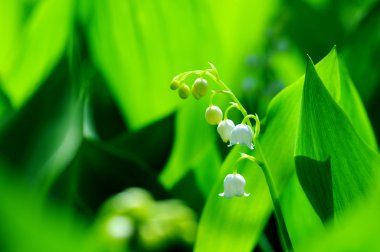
pixel 86 112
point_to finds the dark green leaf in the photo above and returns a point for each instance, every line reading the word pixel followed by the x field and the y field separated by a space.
pixel 42 137
pixel 100 170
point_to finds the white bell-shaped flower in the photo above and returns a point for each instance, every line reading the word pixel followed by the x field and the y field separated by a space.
pixel 234 186
pixel 241 134
pixel 225 128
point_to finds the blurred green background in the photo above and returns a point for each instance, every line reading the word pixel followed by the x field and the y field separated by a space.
pixel 98 154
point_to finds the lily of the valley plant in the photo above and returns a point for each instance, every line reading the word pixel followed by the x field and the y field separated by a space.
pixel 242 133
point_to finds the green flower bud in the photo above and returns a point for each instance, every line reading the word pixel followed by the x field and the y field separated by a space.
pixel 184 91
pixel 199 88
pixel 213 115
pixel 174 85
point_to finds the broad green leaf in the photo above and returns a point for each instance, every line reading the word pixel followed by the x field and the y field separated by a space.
pixel 341 88
pixel 329 152
pixel 338 83
pixel 38 49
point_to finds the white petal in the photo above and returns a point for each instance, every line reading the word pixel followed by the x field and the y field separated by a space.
pixel 241 134
pixel 225 128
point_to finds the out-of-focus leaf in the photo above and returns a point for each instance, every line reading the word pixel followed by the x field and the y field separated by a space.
pixel 41 138
pixel 26 225
pixel 207 169
pixel 192 142
pixel 362 54
pixel 140 46
pixel 329 152
pixel 103 119
pixel 152 144
pixel 336 17
pixel 40 46
pixel 100 170
pixel 10 23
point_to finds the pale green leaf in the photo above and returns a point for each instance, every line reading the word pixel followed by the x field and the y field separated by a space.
pixel 141 45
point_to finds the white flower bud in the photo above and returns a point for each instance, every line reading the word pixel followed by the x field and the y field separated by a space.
pixel 241 134
pixel 213 115
pixel 225 128
pixel 234 186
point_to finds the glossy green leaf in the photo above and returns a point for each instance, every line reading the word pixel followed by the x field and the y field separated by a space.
pixel 336 79
pixel 36 53
pixel 342 90
pixel 329 152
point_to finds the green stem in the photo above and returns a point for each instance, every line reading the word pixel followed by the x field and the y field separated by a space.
pixel 275 199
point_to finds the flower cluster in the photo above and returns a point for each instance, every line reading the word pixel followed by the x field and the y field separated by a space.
pixel 241 133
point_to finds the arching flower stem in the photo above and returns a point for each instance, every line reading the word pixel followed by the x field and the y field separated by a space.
pixel 233 105
pixel 257 124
